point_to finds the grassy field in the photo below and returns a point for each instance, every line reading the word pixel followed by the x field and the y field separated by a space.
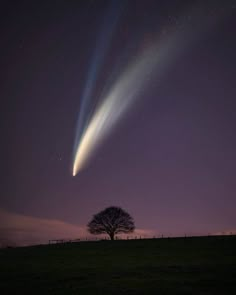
pixel 199 265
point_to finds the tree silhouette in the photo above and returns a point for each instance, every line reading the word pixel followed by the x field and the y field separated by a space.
pixel 111 221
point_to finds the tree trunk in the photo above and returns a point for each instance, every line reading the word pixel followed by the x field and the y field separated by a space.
pixel 111 236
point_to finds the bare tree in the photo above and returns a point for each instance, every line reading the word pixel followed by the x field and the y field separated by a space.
pixel 111 221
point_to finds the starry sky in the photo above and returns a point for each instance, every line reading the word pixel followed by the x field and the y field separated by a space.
pixel 170 162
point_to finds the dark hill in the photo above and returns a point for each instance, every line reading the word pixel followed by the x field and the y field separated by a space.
pixel 197 265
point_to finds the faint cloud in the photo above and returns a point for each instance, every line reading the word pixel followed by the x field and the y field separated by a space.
pixel 225 232
pixel 21 230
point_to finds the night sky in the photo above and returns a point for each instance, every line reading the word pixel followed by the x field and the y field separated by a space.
pixel 170 161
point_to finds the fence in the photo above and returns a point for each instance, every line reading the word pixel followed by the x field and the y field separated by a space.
pixel 161 236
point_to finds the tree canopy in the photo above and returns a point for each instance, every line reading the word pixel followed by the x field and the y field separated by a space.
pixel 111 221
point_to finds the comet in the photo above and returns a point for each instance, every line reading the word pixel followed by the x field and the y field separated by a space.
pixel 116 104
pixel 149 64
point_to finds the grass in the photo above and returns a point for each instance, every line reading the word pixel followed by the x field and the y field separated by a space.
pixel 197 265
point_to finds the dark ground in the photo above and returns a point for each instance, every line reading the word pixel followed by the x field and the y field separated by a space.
pixel 198 265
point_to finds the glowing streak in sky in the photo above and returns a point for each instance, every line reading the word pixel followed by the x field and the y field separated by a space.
pixel 114 106
pixel 127 88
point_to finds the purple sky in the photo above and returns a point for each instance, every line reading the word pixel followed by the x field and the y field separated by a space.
pixel 170 162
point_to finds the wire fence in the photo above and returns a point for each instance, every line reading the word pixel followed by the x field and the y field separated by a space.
pixel 161 236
